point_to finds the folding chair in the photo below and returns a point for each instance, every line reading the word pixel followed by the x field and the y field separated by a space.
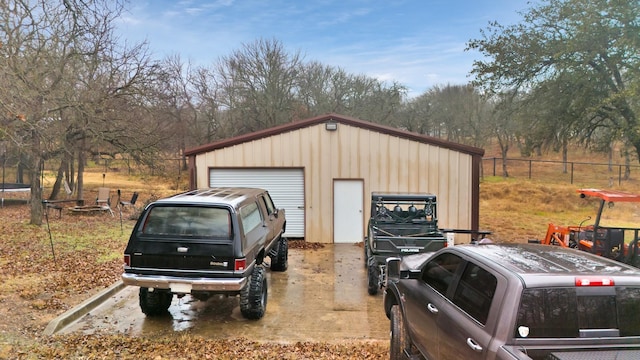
pixel 104 199
pixel 131 202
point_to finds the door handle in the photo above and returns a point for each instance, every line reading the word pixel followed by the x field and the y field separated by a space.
pixel 432 308
pixel 474 345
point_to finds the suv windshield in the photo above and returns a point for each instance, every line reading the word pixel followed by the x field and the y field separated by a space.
pixel 193 221
pixel 579 312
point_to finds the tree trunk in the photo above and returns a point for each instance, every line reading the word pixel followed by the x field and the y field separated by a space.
pixel 81 162
pixel 627 165
pixel 565 155
pixel 503 152
pixel 55 191
pixel 610 157
pixel 36 187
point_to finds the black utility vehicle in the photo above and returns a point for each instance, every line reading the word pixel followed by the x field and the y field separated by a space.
pixel 400 224
pixel 206 242
pixel 512 301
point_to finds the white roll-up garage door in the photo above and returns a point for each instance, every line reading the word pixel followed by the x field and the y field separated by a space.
pixel 286 187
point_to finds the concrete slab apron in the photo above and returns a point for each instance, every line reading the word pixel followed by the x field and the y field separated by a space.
pixel 321 297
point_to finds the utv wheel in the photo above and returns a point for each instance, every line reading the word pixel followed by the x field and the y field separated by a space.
pixel 279 262
pixel 154 303
pixel 399 341
pixel 373 278
pixel 253 297
pixel 366 253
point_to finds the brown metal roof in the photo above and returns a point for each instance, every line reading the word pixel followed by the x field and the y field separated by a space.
pixel 340 119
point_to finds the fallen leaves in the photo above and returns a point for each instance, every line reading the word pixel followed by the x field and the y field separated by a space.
pixel 108 346
pixel 301 244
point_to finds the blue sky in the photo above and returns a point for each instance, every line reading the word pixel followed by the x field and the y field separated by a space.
pixel 418 43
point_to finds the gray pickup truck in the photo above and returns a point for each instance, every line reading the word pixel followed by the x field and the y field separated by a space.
pixel 512 301
pixel 206 242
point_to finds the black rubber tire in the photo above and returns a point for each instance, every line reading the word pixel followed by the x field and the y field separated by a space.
pixel 154 303
pixel 253 297
pixel 280 261
pixel 399 340
pixel 373 277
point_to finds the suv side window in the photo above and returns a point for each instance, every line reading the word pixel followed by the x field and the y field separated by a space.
pixel 475 291
pixel 250 216
pixel 268 204
pixel 439 272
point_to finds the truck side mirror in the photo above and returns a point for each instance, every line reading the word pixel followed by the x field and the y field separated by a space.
pixel 392 269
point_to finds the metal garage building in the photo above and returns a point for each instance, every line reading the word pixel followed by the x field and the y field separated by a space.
pixel 322 170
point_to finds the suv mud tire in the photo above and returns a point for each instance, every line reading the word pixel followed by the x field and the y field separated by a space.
pixel 154 303
pixel 253 297
pixel 280 261
pixel 373 277
pixel 399 340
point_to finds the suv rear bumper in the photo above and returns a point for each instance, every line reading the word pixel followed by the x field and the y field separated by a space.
pixel 195 284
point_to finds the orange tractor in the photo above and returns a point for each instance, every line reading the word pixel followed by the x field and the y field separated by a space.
pixel 619 243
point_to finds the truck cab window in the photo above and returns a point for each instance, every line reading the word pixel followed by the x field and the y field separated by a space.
pixel 439 272
pixel 475 292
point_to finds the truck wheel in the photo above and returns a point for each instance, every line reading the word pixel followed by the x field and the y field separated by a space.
pixel 154 303
pixel 399 341
pixel 373 277
pixel 253 297
pixel 279 262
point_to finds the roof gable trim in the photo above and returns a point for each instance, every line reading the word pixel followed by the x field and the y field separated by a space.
pixel 295 125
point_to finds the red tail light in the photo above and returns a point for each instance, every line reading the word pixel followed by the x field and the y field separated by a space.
pixel 240 264
pixel 594 281
pixel 127 260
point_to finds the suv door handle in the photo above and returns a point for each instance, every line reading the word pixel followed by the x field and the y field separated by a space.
pixel 474 345
pixel 432 308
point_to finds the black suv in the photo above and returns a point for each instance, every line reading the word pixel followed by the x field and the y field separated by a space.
pixel 206 242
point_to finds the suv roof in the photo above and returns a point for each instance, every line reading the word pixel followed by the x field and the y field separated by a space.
pixel 529 260
pixel 228 195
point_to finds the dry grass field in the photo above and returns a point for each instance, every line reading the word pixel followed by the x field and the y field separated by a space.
pixel 36 288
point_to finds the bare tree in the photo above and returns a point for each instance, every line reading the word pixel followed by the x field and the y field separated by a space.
pixel 66 82
pixel 456 112
pixel 258 84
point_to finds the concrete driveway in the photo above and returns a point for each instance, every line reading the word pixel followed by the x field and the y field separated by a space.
pixel 321 297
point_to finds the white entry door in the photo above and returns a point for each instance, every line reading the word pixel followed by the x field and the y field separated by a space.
pixel 348 218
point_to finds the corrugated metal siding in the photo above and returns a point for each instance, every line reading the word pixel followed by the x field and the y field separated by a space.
pixel 286 187
pixel 385 162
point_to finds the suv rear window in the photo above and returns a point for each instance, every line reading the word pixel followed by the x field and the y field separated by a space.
pixel 191 221
pixel 579 312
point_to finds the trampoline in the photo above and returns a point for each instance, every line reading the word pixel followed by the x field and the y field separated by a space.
pixel 13 188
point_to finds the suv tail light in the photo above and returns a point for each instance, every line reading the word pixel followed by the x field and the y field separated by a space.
pixel 593 281
pixel 127 260
pixel 240 264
